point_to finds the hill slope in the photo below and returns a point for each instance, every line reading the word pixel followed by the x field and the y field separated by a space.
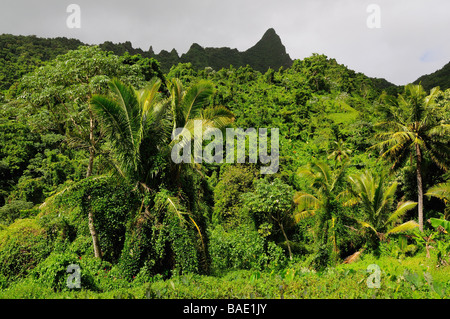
pixel 21 54
pixel 439 78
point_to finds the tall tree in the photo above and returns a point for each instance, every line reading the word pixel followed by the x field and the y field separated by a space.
pixel 63 87
pixel 413 128
pixel 137 128
pixel 189 106
pixel 322 202
pixel 139 125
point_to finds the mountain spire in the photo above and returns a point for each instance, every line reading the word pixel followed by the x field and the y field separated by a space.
pixel 268 52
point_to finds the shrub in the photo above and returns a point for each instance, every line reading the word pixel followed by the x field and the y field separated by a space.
pixel 23 245
pixel 14 210
pixel 153 247
pixel 53 271
pixel 242 248
pixel 66 215
pixel 233 181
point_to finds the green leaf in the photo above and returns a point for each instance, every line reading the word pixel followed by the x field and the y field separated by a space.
pixel 440 222
pixel 403 227
pixel 401 210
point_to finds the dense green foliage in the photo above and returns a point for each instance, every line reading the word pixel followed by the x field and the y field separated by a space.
pixel 439 78
pixel 21 54
pixel 87 178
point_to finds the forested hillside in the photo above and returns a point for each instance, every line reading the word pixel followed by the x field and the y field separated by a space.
pixel 21 54
pixel 88 177
pixel 439 78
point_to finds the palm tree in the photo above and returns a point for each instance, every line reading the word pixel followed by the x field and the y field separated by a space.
pixel 340 151
pixel 411 129
pixel 138 126
pixel 137 129
pixel 188 107
pixel 321 204
pixel 376 199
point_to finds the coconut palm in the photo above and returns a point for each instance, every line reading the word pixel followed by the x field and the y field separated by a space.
pixel 138 127
pixel 376 199
pixel 140 124
pixel 188 106
pixel 340 151
pixel 321 204
pixel 412 129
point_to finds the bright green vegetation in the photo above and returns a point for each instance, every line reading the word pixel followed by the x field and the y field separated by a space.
pixel 410 278
pixel 87 179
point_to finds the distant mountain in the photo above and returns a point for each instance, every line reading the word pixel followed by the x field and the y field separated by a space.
pixel 439 78
pixel 21 54
pixel 269 52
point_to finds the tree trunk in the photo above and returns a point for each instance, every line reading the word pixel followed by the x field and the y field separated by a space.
pixel 95 241
pixel 91 162
pixel 285 237
pixel 91 145
pixel 92 230
pixel 419 186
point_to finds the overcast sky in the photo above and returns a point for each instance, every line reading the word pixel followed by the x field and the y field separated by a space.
pixel 413 38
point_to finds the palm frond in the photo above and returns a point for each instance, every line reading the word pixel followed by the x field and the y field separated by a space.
pixel 114 120
pixel 366 225
pixel 301 215
pixel 127 98
pixel 441 191
pixel 348 198
pixel 409 225
pixel 217 117
pixel 306 201
pixel 196 99
pixel 401 210
pixel 307 205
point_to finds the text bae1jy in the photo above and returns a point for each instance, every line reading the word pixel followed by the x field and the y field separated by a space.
pixel 247 308
pixel 231 308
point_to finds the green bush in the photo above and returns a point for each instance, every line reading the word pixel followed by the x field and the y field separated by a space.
pixel 23 245
pixel 160 246
pixel 242 248
pixel 233 181
pixel 14 210
pixel 53 271
pixel 112 205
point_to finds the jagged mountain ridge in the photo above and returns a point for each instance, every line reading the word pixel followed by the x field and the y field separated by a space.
pixel 269 52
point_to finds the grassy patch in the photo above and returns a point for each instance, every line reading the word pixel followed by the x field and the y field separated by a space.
pixel 413 277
